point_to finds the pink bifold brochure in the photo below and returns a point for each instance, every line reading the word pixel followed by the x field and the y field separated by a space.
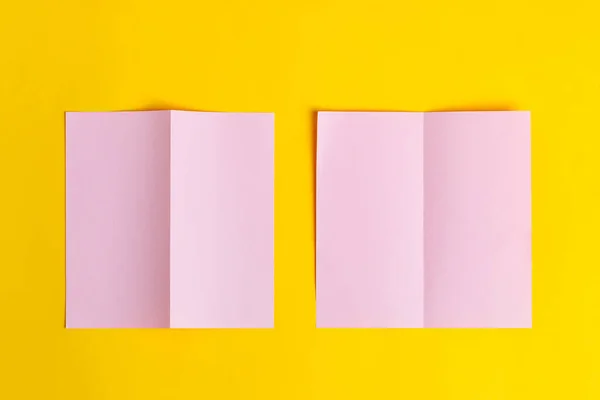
pixel 169 220
pixel 423 220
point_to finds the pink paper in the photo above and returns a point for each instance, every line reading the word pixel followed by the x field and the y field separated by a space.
pixel 169 220
pixel 221 220
pixel 117 220
pixel 471 219
pixel 477 220
pixel 370 220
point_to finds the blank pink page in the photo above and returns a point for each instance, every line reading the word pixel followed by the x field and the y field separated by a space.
pixel 477 220
pixel 369 220
pixel 221 220
pixel 117 220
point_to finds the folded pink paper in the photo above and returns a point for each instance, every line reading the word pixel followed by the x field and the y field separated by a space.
pixel 169 220
pixel 423 220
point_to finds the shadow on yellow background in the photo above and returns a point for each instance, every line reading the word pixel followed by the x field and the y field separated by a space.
pixel 293 58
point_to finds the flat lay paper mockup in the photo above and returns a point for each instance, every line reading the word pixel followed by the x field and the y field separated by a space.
pixel 169 220
pixel 423 220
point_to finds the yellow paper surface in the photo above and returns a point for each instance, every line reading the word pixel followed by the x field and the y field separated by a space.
pixel 294 58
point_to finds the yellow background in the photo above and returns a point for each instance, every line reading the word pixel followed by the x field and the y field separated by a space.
pixel 293 58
